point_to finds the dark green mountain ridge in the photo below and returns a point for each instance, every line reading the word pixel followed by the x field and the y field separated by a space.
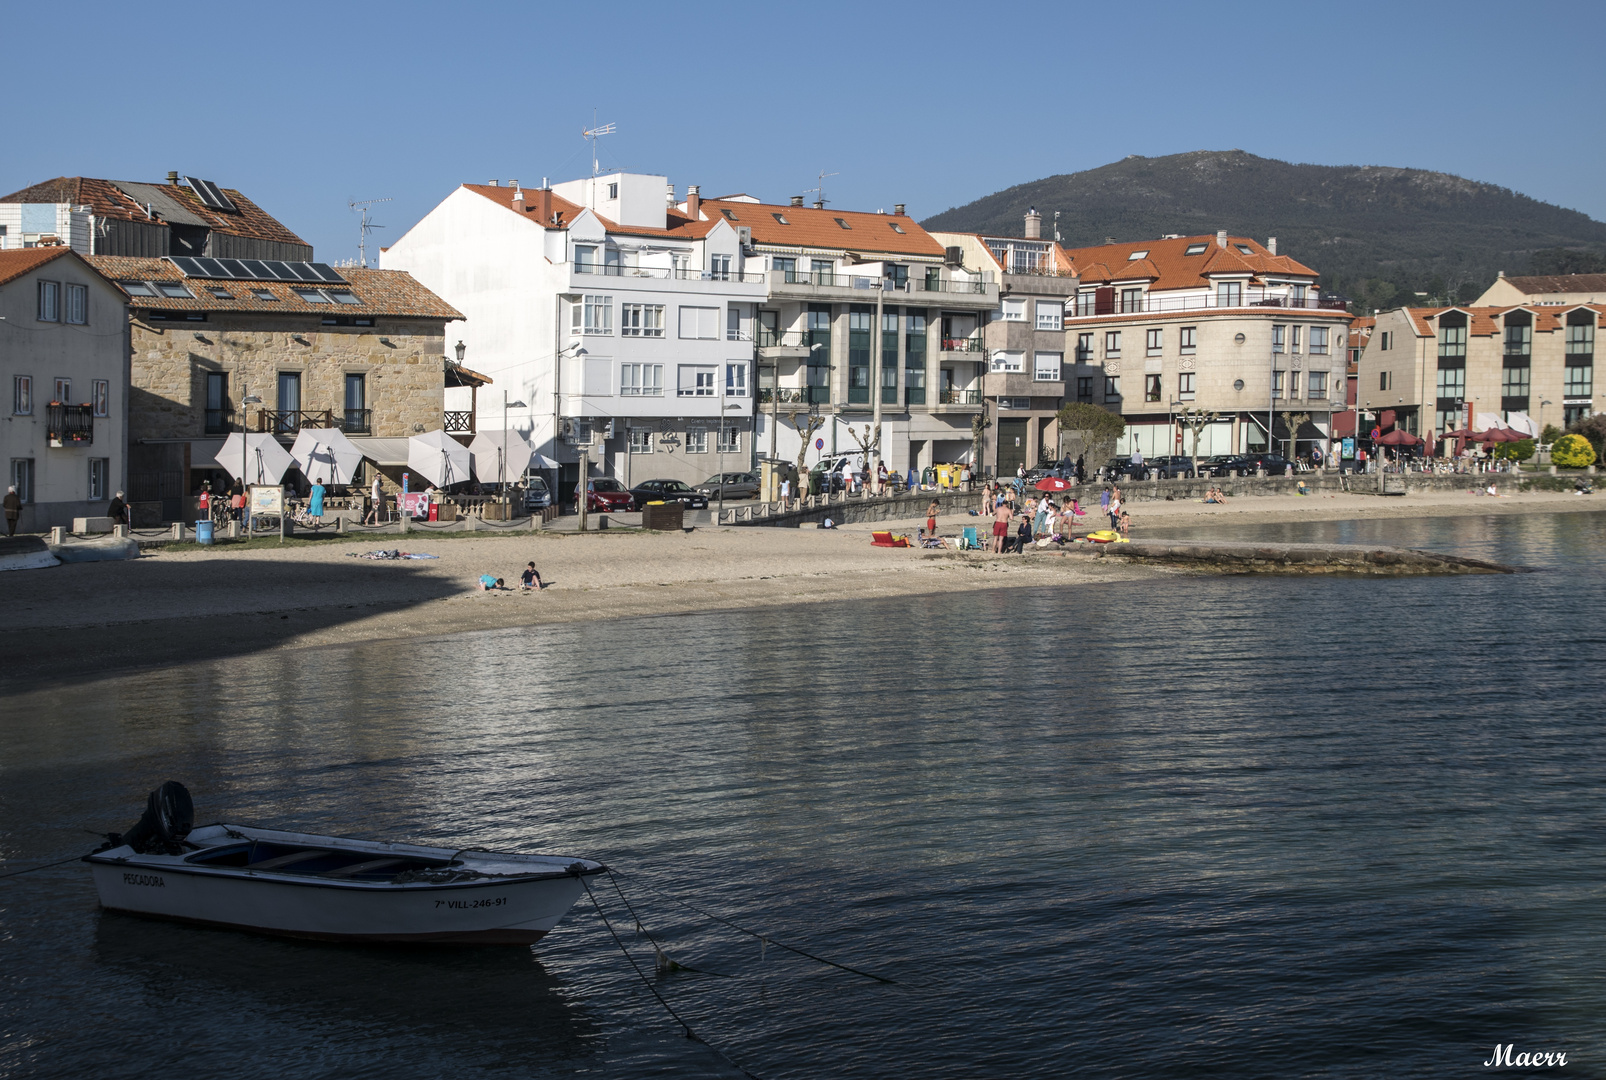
pixel 1375 233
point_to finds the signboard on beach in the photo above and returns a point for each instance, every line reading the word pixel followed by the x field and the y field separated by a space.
pixel 1349 449
pixel 267 499
pixel 413 503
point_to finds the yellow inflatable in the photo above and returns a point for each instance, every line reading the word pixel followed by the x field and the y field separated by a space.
pixel 1106 536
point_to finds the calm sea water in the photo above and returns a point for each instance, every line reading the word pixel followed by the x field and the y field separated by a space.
pixel 1232 827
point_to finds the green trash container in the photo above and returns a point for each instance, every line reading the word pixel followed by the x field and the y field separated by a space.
pixel 203 532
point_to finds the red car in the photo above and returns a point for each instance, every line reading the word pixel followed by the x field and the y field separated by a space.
pixel 606 493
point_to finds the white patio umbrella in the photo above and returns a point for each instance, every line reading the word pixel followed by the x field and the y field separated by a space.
pixel 488 450
pixel 1523 423
pixel 326 453
pixel 261 457
pixel 438 458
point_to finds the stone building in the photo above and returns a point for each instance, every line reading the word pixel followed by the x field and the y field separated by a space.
pixel 358 349
pixel 1544 289
pixel 63 359
pixel 1432 370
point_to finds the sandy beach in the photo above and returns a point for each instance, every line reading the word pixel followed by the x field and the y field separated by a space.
pixel 185 603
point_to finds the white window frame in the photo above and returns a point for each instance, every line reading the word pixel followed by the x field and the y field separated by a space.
pixel 641 380
pixel 1188 340
pixel 1048 366
pixel 592 315
pixel 640 440
pixel 696 440
pixel 63 392
pixel 736 379
pixel 730 441
pixel 699 323
pixel 1050 315
pixel 22 395
pixel 1009 360
pixel 1014 310
pixel 100 397
pixel 585 258
pixel 641 320
pixel 696 380
pixel 99 472
pixel 49 301
pixel 719 267
pixel 76 309
pixel 1154 342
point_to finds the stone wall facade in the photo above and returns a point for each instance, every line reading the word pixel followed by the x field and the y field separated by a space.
pixel 402 360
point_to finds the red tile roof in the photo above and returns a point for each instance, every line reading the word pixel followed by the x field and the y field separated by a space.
pixel 868 234
pixel 1550 283
pixel 19 261
pixel 108 201
pixel 676 223
pixel 382 292
pixel 1176 270
pixel 1484 321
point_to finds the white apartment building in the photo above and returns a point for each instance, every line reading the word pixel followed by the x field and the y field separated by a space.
pixel 605 309
pixel 867 323
pixel 64 359
pixel 1217 323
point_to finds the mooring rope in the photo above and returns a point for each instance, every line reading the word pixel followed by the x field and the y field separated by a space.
pixel 46 866
pixel 664 962
pixel 764 938
pixel 690 1034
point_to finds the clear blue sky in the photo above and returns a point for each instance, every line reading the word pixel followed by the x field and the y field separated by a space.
pixel 307 106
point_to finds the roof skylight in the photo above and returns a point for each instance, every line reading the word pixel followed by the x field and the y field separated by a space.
pixel 895 226
pixel 780 217
pixel 1196 249
pixel 844 224
pixel 174 290
pixel 1144 254
pixel 1245 248
pixel 137 288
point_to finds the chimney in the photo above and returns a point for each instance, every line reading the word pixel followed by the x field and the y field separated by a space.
pixel 819 204
pixel 543 205
pixel 669 194
pixel 694 201
pixel 1221 239
pixel 172 177
pixel 1271 244
pixel 1034 223
pixel 495 183
pixel 518 202
pixel 797 200
pixel 1501 273
pixel 1109 239
pixel 897 208
pixel 513 184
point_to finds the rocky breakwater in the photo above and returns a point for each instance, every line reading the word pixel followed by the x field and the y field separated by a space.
pixel 1234 557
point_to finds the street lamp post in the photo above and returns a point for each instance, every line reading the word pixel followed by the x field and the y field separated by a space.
pixel 245 463
pixel 501 465
pixel 721 456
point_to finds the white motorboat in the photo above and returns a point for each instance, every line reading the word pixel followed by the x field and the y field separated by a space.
pixel 330 888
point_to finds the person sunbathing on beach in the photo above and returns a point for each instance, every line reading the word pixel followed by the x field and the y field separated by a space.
pixel 1215 495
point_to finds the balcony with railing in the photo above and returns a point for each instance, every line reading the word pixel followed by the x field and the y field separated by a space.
pixel 458 422
pixel 584 275
pixel 357 421
pixel 219 421
pixel 69 425
pixel 795 395
pixel 290 421
pixel 971 344
pixel 846 285
pixel 1107 302
pixel 952 396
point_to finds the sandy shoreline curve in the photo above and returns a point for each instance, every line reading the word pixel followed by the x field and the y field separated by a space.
pixel 187 603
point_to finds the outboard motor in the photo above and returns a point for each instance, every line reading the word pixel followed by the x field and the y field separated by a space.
pixel 169 816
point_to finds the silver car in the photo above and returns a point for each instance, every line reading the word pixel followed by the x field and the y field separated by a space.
pixel 737 485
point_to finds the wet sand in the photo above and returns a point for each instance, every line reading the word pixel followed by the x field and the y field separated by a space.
pixel 187 603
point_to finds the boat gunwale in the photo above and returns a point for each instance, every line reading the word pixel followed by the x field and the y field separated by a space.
pixel 589 867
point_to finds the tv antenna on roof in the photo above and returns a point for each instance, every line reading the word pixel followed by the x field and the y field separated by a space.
pixel 820 200
pixel 366 228
pixel 593 133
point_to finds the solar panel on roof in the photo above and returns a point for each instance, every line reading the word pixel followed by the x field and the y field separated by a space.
pixel 234 268
pixel 187 266
pixel 326 272
pixel 210 193
pixel 212 268
pixel 282 270
pixel 257 270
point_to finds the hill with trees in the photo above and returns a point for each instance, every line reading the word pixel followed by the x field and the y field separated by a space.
pixel 1378 235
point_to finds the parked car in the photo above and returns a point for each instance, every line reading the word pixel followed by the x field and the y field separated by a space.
pixel 830 472
pixel 1122 468
pixel 1215 464
pixel 606 493
pixel 1172 468
pixel 737 485
pixel 537 496
pixel 668 491
pixel 1274 464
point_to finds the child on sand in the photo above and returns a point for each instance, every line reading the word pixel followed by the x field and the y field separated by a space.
pixel 490 584
pixel 531 578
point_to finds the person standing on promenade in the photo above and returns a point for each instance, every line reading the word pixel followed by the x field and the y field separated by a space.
pixel 13 505
pixel 376 500
pixel 1081 469
pixel 315 501
pixel 1001 516
pixel 931 518
pixel 1115 508
pixel 1104 499
pixel 786 493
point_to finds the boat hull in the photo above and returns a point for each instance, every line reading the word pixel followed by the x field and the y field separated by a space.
pixel 517 907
